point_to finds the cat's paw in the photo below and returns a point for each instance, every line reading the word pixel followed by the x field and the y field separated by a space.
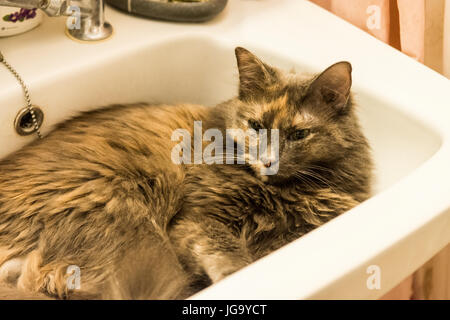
pixel 11 270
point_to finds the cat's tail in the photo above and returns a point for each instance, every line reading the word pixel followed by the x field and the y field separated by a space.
pixel 151 271
pixel 8 293
pixel 148 272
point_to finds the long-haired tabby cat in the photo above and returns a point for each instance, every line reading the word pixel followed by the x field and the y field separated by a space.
pixel 101 191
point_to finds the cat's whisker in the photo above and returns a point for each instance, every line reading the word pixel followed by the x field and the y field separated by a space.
pixel 303 178
pixel 320 178
pixel 305 174
pixel 341 176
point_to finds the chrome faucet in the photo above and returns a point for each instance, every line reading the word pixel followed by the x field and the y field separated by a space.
pixel 88 16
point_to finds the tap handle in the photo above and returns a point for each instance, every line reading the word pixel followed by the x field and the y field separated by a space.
pixel 54 8
pixel 26 4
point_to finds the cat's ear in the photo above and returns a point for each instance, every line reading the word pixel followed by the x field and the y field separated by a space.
pixel 332 87
pixel 254 75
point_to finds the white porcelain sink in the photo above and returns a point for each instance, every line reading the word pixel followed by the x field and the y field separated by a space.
pixel 404 109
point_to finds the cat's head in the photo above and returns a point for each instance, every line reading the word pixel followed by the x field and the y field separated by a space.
pixel 314 116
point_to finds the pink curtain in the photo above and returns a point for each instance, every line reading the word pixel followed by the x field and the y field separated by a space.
pixel 401 23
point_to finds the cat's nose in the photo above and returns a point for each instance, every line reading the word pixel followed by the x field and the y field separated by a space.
pixel 268 161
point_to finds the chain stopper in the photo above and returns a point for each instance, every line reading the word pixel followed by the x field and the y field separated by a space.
pixel 26 93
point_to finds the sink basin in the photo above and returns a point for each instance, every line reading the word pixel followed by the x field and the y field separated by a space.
pixel 404 109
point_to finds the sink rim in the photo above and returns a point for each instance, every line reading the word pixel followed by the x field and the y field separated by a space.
pixel 370 203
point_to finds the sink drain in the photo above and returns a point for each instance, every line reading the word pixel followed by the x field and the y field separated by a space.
pixel 24 124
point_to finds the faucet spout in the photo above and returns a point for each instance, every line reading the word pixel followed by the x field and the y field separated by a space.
pixel 92 25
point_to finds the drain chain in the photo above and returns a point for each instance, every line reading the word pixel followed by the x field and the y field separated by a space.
pixel 26 93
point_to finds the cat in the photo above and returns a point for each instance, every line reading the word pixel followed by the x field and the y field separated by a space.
pixel 101 191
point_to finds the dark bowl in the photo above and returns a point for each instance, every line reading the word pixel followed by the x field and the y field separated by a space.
pixel 172 11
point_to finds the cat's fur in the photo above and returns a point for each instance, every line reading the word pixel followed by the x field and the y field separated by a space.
pixel 232 215
pixel 101 191
pixel 95 188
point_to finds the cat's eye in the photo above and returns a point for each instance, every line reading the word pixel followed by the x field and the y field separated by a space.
pixel 254 124
pixel 300 134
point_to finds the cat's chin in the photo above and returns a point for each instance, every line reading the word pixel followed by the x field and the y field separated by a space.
pixel 272 179
pixel 278 180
